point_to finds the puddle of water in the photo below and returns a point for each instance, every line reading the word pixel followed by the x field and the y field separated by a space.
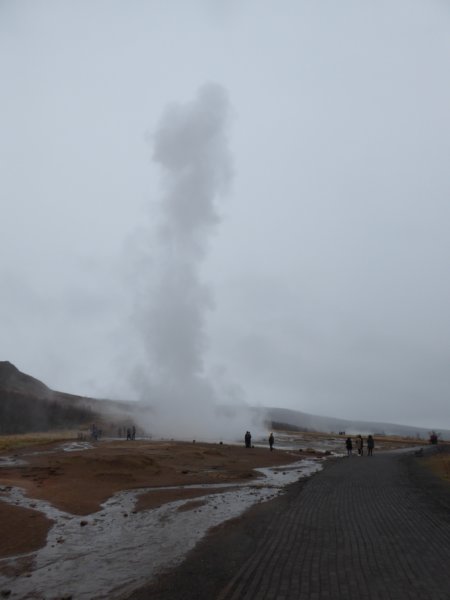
pixel 67 447
pixel 76 446
pixel 117 550
pixel 333 445
pixel 11 461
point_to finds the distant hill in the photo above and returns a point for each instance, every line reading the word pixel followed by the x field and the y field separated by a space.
pixel 307 422
pixel 28 405
pixel 13 380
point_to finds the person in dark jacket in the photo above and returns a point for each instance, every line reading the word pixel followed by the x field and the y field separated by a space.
pixel 271 441
pixel 248 439
pixel 349 446
pixel 370 445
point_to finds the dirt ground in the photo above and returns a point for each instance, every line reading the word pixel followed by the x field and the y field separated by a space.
pixel 79 481
pixel 219 556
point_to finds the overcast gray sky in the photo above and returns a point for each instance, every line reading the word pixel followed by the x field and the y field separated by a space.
pixel 323 274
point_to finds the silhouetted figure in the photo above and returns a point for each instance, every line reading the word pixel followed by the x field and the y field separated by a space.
pixel 133 433
pixel 94 432
pixel 128 433
pixel 248 439
pixel 360 445
pixel 271 441
pixel 370 445
pixel 349 446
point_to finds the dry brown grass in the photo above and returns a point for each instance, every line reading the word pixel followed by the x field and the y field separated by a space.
pixel 440 464
pixel 10 442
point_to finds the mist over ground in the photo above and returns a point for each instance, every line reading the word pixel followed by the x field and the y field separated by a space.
pixel 317 280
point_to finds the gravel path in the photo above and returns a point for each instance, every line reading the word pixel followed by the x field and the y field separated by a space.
pixel 370 528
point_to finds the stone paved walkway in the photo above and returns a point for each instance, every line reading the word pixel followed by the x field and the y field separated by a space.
pixel 360 530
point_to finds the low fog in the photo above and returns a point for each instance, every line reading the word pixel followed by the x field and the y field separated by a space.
pixel 212 207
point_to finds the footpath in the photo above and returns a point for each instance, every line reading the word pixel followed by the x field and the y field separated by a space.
pixel 365 528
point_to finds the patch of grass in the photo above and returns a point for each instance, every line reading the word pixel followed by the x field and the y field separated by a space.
pixel 10 442
pixel 440 465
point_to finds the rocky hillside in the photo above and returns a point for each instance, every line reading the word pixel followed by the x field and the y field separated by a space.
pixel 13 380
pixel 28 405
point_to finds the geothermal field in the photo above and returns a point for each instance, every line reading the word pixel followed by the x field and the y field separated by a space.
pixel 85 519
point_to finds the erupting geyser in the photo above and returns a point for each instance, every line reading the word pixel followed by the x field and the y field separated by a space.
pixel 190 145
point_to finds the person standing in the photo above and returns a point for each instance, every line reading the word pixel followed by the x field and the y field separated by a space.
pixel 248 439
pixel 360 445
pixel 349 446
pixel 271 441
pixel 370 445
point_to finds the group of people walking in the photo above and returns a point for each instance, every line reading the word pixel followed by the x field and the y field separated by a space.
pixel 359 445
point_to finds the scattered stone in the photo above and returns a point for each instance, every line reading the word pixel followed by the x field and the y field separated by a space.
pixel 84 523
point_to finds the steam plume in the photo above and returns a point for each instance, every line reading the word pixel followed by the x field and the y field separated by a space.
pixel 191 147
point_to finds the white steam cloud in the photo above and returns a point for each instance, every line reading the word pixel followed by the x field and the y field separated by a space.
pixel 191 147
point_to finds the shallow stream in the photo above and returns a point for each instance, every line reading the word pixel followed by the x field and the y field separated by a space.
pixel 115 550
